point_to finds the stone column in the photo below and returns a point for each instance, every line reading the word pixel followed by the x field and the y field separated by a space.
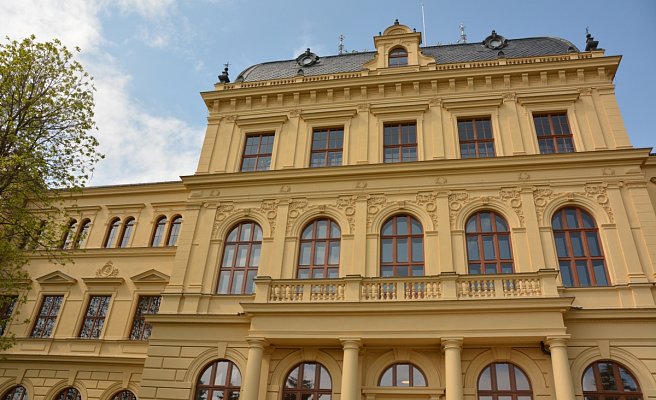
pixel 251 386
pixel 562 374
pixel 350 369
pixel 453 368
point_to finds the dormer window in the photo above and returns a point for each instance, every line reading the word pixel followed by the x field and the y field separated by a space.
pixel 398 57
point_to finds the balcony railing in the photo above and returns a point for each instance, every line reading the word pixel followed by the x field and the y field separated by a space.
pixel 355 288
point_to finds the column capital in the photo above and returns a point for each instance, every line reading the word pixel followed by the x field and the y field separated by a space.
pixel 351 343
pixel 557 341
pixel 256 342
pixel 452 343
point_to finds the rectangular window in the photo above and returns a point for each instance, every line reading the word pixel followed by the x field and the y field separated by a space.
pixel 7 305
pixel 95 317
pixel 45 321
pixel 148 305
pixel 476 140
pixel 400 142
pixel 257 152
pixel 327 145
pixel 554 135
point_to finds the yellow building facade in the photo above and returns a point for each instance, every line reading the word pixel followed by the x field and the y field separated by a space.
pixel 452 222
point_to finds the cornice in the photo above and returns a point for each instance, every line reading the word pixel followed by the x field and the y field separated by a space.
pixel 112 253
pixel 610 314
pixel 519 163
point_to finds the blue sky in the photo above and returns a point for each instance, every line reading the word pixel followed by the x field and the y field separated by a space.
pixel 151 58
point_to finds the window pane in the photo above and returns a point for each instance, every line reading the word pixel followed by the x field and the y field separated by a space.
pixel 237 282
pixel 600 272
pixel 418 378
pixel 593 244
pixel 334 253
pixel 255 256
pixel 503 376
pixel 402 375
pixel 561 247
pixel 402 250
pixel 324 379
pixel 582 273
pixel 320 254
pixel 607 377
pixel 472 248
pixel 485 380
pixel 250 281
pixel 221 373
pixel 224 281
pixel 417 249
pixel 387 228
pixel 334 230
pixel 263 163
pixel 401 226
pixel 577 244
pixel 229 255
pixel 521 381
pixel 309 371
pixel 486 222
pixel 304 257
pixel 242 254
pixel 488 248
pixel 387 248
pixel 628 383
pixel 504 247
pixel 565 274
pixel 386 379
pixel 570 216
pixel 322 229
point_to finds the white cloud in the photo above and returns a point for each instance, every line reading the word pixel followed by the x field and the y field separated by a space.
pixel 139 146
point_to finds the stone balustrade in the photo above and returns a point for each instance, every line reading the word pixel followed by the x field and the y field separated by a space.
pixel 448 286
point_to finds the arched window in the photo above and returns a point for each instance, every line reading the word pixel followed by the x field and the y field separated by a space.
pixel 124 395
pixel 83 234
pixel 504 381
pixel 69 235
pixel 318 256
pixel 402 375
pixel 241 257
pixel 309 380
pixel 16 393
pixel 580 256
pixel 488 244
pixel 220 380
pixel 398 57
pixel 609 380
pixel 174 231
pixel 112 232
pixel 402 247
pixel 128 227
pixel 70 393
pixel 158 233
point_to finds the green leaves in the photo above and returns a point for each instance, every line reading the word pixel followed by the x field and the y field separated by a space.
pixel 46 148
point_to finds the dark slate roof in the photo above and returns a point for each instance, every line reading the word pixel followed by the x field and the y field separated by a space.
pixel 443 54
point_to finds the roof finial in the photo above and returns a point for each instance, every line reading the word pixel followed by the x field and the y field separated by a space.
pixel 223 78
pixel 463 35
pixel 340 48
pixel 590 43
pixel 396 21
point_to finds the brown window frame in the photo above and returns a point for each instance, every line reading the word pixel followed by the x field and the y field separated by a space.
pixel 326 268
pixel 397 57
pixel 126 232
pixel 326 151
pixel 479 234
pixel 233 268
pixel 49 315
pixel 140 328
pixel 299 392
pixel 259 154
pixel 479 140
pixel 551 136
pixel 601 393
pixel 227 387
pixel 495 392
pixel 69 393
pixel 124 395
pixel 400 146
pixel 159 231
pixel 174 230
pixel 395 378
pixel 68 239
pixel 572 271
pixel 82 233
pixel 111 237
pixel 97 319
pixel 17 392
pixel 7 307
pixel 395 264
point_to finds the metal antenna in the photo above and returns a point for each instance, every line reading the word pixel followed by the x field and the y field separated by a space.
pixel 340 48
pixel 227 65
pixel 423 21
pixel 463 35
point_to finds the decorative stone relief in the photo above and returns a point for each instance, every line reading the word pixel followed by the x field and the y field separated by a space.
pixel 374 203
pixel 294 113
pixel 508 97
pixel 364 107
pixel 436 102
pixel 296 208
pixel 270 210
pixel 231 118
pixel 585 91
pixel 285 189
pixel 107 271
pixel 347 205
pixel 361 185
pixel 608 171
pixel 223 211
pixel 457 200
pixel 440 180
pixel 541 197
pixel 428 201
pixel 653 180
pixel 597 192
pixel 511 196
pixel 524 176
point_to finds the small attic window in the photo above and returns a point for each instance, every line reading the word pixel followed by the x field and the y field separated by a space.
pixel 398 57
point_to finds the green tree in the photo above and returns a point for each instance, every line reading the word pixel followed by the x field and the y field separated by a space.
pixel 47 152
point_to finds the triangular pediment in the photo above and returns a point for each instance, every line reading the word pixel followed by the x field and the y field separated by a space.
pixel 151 276
pixel 56 278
